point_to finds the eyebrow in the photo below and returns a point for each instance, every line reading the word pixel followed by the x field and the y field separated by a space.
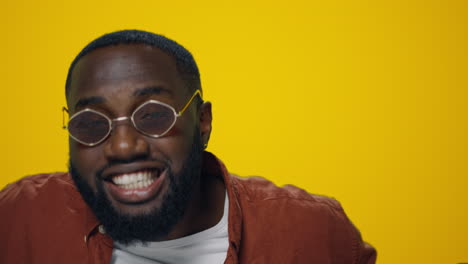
pixel 93 100
pixel 152 90
pixel 146 91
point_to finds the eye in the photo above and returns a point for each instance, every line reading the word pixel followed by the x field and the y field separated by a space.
pixel 98 123
pixel 88 120
pixel 154 115
pixel 87 124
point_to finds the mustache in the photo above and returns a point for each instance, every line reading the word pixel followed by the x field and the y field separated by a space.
pixel 115 162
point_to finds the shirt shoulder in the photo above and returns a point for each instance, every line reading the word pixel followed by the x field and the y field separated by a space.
pixel 311 225
pixel 41 219
pixel 258 189
pixel 34 197
pixel 34 187
pixel 263 199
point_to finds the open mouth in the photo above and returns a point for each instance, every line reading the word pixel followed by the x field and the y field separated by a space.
pixel 136 180
pixel 136 187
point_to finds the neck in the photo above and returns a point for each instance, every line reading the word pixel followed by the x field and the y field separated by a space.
pixel 205 208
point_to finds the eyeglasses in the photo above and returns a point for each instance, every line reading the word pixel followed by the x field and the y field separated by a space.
pixel 152 118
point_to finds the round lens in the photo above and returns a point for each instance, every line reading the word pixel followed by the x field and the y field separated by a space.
pixel 89 127
pixel 154 118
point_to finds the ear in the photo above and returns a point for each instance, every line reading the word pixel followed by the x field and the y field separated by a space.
pixel 205 122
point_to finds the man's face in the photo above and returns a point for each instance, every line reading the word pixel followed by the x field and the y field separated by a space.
pixel 115 81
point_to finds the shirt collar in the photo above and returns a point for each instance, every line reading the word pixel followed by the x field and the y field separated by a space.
pixel 213 165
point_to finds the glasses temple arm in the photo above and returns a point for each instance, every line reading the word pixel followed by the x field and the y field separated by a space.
pixel 64 109
pixel 197 92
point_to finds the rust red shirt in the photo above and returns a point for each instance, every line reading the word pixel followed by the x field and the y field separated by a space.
pixel 45 220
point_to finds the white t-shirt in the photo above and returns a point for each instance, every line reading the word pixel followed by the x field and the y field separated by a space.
pixel 206 247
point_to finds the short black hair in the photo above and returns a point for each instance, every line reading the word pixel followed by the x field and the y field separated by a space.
pixel 185 63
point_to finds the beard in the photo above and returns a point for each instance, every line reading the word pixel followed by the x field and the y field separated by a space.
pixel 158 222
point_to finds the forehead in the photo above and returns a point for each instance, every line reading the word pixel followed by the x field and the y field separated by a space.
pixel 116 72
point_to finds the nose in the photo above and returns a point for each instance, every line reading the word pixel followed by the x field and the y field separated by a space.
pixel 125 143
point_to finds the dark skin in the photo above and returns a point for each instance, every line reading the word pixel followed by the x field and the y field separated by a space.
pixel 115 80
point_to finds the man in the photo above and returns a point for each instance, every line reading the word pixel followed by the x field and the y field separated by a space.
pixel 141 188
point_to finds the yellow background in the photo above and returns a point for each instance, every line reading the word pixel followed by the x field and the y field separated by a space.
pixel 364 101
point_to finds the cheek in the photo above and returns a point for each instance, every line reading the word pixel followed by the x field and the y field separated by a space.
pixel 176 145
pixel 86 160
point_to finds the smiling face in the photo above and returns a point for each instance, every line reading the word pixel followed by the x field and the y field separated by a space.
pixel 129 175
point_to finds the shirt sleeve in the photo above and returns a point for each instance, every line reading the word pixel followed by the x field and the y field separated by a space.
pixel 345 230
pixel 365 253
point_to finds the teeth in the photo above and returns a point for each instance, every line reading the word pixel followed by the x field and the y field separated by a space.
pixel 140 179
